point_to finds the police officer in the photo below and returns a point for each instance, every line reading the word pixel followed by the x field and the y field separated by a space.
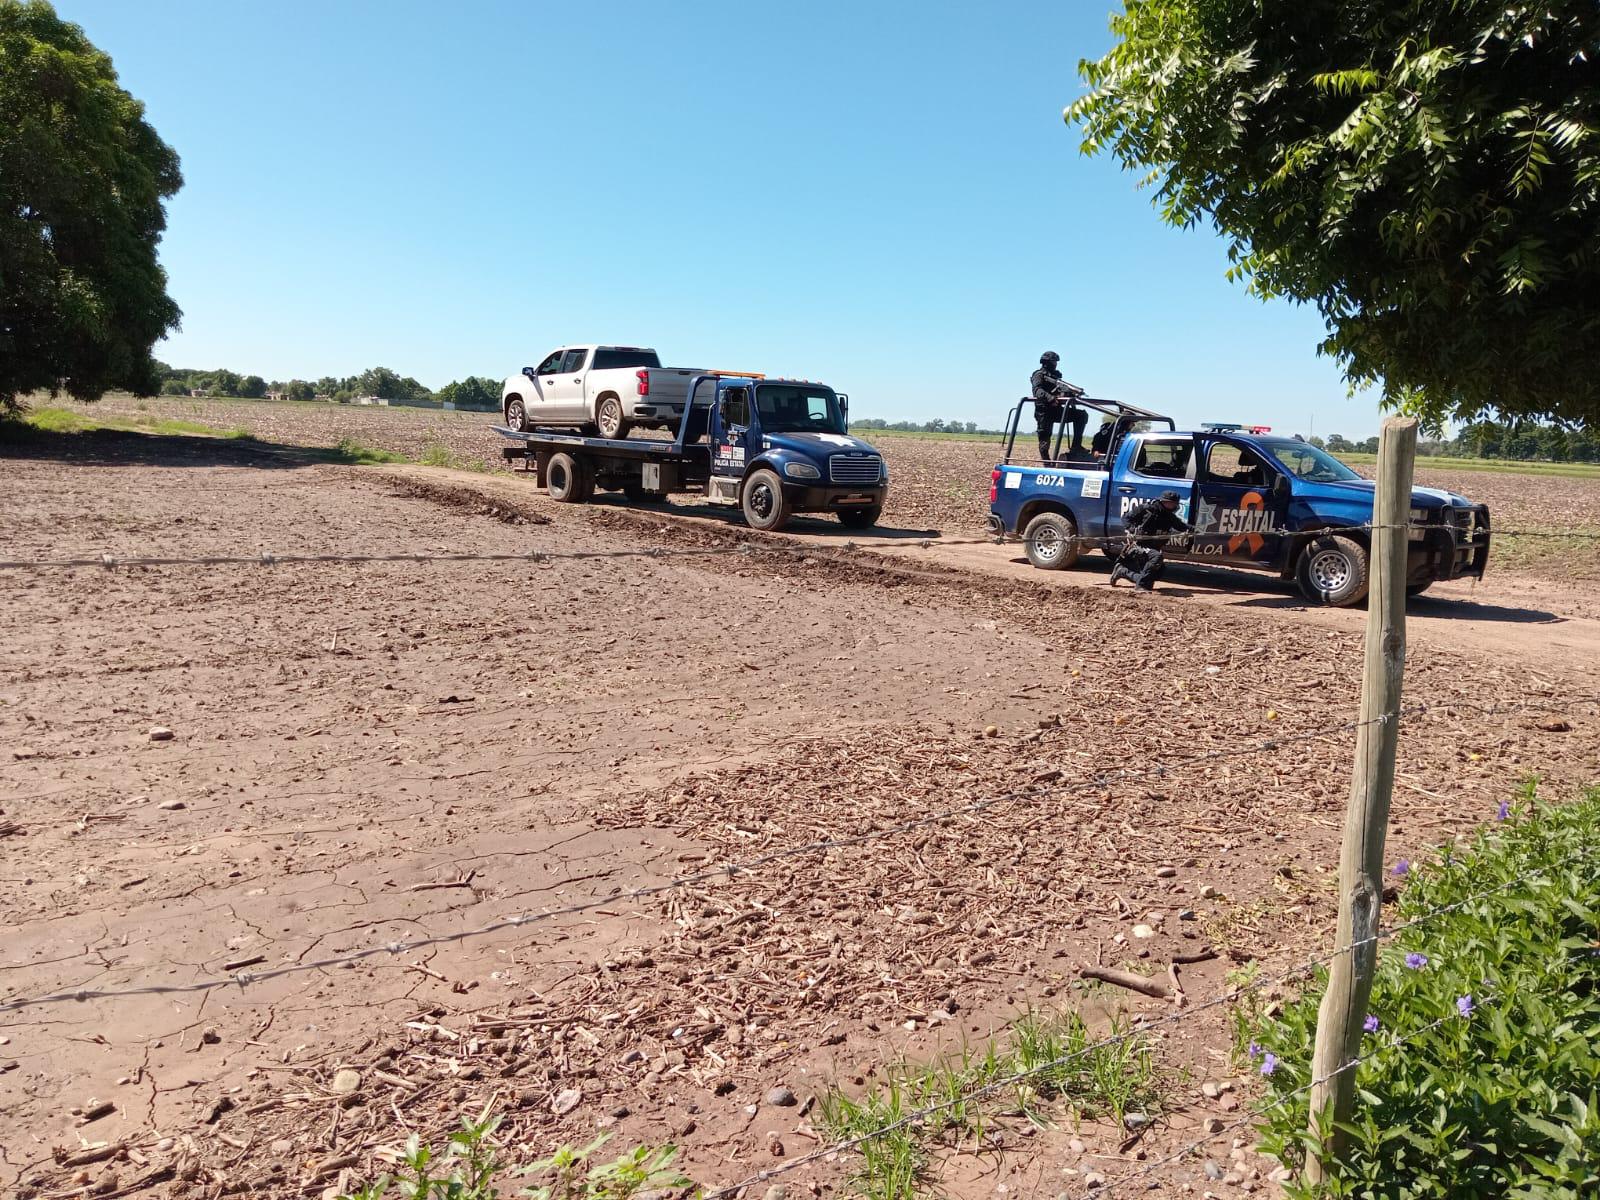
pixel 1147 525
pixel 1051 396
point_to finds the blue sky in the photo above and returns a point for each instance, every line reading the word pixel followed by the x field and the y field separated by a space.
pixel 879 195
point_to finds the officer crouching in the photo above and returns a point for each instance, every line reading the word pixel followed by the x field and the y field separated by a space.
pixel 1148 527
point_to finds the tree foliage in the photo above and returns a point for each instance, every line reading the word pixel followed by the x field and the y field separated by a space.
pixel 475 391
pixel 83 178
pixel 1426 174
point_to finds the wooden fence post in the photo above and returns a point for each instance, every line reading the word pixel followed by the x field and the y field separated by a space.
pixel 1344 1006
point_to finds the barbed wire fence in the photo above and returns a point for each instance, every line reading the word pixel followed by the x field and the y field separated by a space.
pixel 751 548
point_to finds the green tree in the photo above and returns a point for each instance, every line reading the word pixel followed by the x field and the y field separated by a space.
pixel 83 178
pixel 1426 174
pixel 1337 443
pixel 251 387
pixel 299 389
pixel 388 385
pixel 475 391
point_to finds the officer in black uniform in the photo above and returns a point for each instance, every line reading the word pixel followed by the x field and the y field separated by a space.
pixel 1051 396
pixel 1142 561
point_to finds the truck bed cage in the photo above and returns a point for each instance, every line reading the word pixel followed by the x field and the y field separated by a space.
pixel 1123 417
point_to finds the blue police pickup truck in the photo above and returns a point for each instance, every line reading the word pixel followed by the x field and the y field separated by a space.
pixel 769 447
pixel 1255 501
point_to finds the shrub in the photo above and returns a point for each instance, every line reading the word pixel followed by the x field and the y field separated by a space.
pixel 1480 1067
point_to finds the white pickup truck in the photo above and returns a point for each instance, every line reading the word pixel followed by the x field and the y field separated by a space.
pixel 598 389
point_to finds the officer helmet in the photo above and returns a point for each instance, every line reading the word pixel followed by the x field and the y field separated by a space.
pixel 1049 358
pixel 1169 498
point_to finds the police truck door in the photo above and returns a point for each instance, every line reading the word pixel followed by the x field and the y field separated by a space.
pixel 732 434
pixel 1237 505
pixel 1158 463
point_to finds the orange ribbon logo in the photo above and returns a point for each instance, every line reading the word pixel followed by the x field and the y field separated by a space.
pixel 1252 513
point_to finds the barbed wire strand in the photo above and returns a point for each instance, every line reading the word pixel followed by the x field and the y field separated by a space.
pixel 729 870
pixel 538 557
pixel 1139 1030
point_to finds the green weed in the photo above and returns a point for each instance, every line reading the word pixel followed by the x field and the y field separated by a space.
pixel 353 452
pixel 464 1169
pixel 435 454
pixel 1480 1066
pixel 645 1168
pixel 1063 1070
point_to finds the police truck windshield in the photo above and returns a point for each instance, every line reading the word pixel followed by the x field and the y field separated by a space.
pixel 1305 461
pixel 796 408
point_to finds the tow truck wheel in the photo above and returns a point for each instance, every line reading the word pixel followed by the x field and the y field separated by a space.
pixel 860 518
pixel 1333 571
pixel 516 415
pixel 1416 589
pixel 565 480
pixel 1051 541
pixel 764 505
pixel 610 419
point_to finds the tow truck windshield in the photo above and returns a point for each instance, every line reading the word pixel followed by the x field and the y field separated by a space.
pixel 793 408
pixel 1305 461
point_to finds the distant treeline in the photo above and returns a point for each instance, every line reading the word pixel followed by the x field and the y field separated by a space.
pixel 474 391
pixel 1517 441
pixel 934 426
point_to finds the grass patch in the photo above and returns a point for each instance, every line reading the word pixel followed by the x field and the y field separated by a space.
pixel 50 419
pixel 1492 466
pixel 942 435
pixel 464 1168
pixel 354 453
pixel 436 454
pixel 1481 1074
pixel 1067 1074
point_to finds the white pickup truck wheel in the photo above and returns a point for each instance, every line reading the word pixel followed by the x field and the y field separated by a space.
pixel 610 419
pixel 516 415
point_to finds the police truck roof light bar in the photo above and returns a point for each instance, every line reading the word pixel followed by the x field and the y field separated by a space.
pixel 1232 427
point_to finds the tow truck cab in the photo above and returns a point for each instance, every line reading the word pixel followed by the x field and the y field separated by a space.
pixel 1256 501
pixel 771 447
pixel 782 446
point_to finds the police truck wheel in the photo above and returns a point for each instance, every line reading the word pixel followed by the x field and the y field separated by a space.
pixel 860 518
pixel 1051 541
pixel 764 505
pixel 516 415
pixel 1333 571
pixel 566 480
pixel 610 419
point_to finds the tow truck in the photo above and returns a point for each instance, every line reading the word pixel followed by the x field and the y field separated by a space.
pixel 1256 501
pixel 770 447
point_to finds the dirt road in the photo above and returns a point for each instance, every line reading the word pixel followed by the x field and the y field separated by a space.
pixel 361 755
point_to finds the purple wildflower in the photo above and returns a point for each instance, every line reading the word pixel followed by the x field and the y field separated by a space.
pixel 1464 1006
pixel 1371 1023
pixel 1416 961
pixel 1504 811
pixel 1269 1064
pixel 1403 867
pixel 1255 1050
